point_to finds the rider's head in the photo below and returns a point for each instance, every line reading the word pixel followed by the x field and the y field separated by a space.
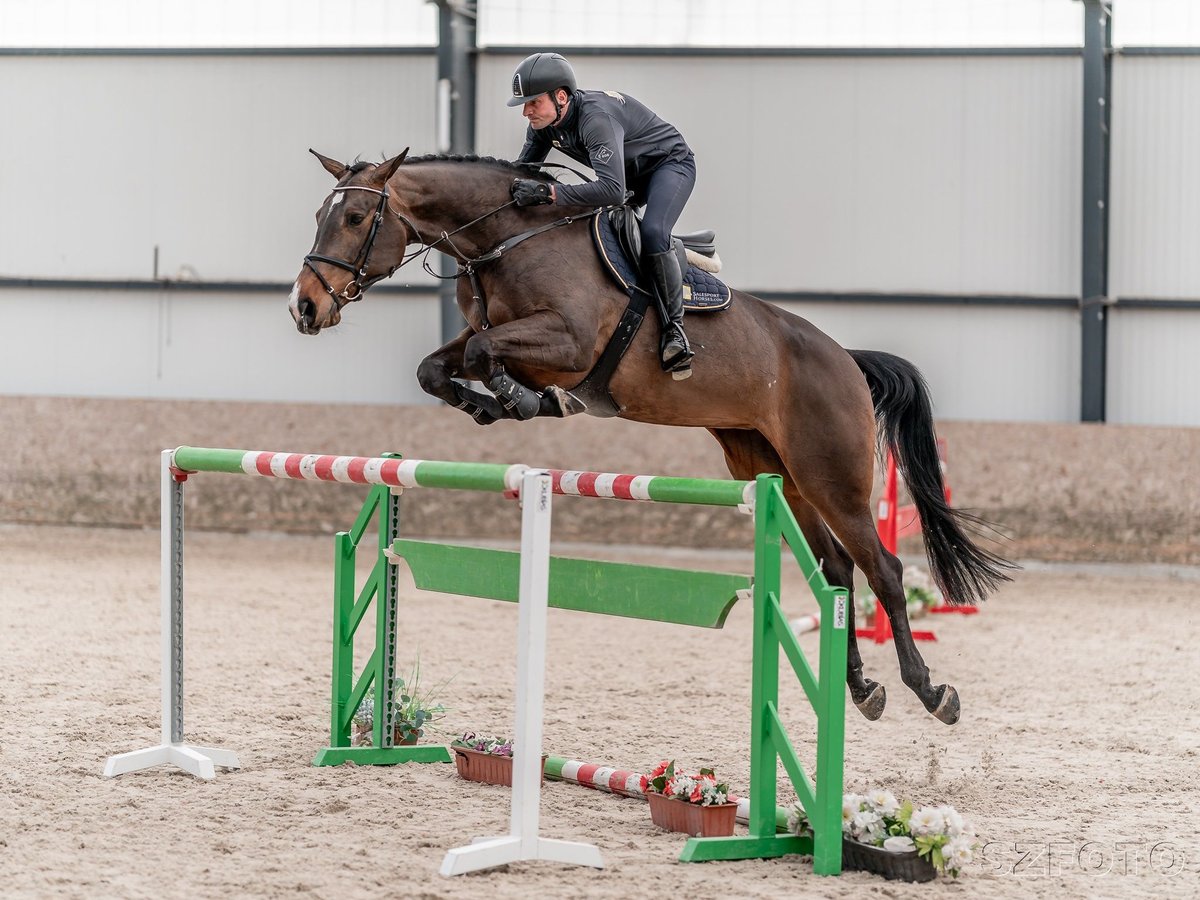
pixel 543 85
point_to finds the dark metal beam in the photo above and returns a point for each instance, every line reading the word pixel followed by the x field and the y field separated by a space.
pixel 456 121
pixel 1097 97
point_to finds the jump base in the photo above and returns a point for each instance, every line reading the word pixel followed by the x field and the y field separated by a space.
pixel 199 761
pixel 488 853
pixel 382 756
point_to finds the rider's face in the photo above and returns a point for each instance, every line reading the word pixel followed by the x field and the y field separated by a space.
pixel 539 111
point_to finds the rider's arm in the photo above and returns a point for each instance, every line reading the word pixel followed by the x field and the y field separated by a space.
pixel 537 145
pixel 605 141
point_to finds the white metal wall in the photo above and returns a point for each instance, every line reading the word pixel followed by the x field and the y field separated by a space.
pixel 936 175
pixel 953 175
pixel 204 156
pixel 225 346
pixel 982 362
pixel 1153 368
pixel 1155 225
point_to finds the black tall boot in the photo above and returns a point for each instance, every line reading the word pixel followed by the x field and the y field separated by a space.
pixel 675 353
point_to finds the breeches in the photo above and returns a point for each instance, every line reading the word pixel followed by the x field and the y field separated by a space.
pixel 667 192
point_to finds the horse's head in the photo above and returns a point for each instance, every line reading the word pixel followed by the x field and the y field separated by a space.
pixel 361 236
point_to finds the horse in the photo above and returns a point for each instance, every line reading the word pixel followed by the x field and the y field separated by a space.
pixel 777 394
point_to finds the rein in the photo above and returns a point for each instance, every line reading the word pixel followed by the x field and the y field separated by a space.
pixel 467 266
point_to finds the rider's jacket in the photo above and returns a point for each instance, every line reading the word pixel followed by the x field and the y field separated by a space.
pixel 621 139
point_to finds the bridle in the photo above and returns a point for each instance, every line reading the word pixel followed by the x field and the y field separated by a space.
pixel 359 283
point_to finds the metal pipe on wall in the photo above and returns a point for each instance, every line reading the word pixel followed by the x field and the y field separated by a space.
pixel 456 121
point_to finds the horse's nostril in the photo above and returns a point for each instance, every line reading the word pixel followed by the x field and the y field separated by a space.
pixel 307 310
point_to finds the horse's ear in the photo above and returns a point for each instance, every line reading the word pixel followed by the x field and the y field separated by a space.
pixel 332 166
pixel 388 167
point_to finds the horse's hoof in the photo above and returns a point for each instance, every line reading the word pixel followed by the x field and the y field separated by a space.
pixel 948 708
pixel 872 706
pixel 562 403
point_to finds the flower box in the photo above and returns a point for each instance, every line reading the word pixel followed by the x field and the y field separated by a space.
pixel 673 814
pixel 489 768
pixel 903 866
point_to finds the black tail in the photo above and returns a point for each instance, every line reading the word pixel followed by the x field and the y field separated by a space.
pixel 965 572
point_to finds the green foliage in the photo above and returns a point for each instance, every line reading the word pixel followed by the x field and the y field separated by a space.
pixel 415 707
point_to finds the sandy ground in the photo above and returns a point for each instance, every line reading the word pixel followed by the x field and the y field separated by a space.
pixel 1077 754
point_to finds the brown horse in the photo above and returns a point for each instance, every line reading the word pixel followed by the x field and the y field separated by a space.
pixel 778 394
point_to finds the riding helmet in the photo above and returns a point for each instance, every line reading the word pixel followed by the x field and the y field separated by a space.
pixel 541 74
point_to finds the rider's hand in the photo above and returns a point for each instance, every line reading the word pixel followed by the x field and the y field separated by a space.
pixel 528 192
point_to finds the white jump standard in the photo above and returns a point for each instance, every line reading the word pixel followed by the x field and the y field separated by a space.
pixel 199 761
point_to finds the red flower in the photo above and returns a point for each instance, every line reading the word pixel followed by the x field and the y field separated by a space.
pixel 696 796
pixel 660 769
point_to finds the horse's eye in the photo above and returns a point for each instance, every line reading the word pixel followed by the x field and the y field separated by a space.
pixel 354 219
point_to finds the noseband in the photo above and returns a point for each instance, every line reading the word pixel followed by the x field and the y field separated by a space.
pixel 358 284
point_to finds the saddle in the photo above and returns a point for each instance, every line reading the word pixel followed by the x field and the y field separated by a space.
pixel 617 235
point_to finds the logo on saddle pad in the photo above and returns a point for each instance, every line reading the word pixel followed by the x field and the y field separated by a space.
pixel 603 154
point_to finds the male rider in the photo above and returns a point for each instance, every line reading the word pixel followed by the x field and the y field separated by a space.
pixel 629 148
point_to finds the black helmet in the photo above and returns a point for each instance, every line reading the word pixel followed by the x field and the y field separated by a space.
pixel 540 74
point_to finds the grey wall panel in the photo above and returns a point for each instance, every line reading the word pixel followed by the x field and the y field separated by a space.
pixel 982 363
pixel 206 157
pixel 1155 224
pixel 1153 367
pixel 210 346
pixel 955 175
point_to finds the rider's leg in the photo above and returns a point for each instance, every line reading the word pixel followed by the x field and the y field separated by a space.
pixel 667 192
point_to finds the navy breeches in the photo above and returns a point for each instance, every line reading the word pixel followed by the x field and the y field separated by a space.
pixel 667 192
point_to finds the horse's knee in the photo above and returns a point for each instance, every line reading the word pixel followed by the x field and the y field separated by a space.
pixel 434 380
pixel 477 357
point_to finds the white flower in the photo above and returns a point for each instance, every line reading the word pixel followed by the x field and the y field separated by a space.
pixel 864 823
pixel 884 802
pixel 915 578
pixel 957 854
pixel 953 821
pixel 927 820
pixel 850 805
pixel 901 843
pixel 795 817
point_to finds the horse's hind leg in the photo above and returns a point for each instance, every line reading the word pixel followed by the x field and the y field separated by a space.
pixel 855 527
pixel 747 453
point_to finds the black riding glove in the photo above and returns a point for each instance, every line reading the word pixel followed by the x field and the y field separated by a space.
pixel 528 192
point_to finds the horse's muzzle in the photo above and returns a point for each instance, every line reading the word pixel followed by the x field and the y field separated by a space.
pixel 304 312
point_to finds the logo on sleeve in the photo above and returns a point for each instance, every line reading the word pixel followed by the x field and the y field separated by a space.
pixel 603 154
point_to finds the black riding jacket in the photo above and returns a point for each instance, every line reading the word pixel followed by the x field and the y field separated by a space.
pixel 622 140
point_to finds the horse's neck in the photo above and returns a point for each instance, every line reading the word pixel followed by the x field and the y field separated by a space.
pixel 454 194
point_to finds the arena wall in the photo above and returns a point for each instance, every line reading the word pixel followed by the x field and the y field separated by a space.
pixel 1057 491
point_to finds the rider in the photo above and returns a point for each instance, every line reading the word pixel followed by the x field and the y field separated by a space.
pixel 628 147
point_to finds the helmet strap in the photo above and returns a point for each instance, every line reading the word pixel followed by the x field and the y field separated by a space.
pixel 558 107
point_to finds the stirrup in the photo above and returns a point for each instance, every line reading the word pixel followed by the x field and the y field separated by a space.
pixel 679 364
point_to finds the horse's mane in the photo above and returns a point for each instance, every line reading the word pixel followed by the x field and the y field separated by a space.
pixel 527 170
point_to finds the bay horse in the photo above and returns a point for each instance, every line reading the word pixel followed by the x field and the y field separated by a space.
pixel 778 394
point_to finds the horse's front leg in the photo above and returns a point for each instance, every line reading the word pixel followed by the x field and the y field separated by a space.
pixel 437 372
pixel 540 341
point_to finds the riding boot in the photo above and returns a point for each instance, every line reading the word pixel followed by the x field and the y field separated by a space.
pixel 675 353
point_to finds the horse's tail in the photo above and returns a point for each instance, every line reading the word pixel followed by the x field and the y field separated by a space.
pixel 965 572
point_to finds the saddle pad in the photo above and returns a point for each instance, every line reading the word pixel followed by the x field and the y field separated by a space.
pixel 702 291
